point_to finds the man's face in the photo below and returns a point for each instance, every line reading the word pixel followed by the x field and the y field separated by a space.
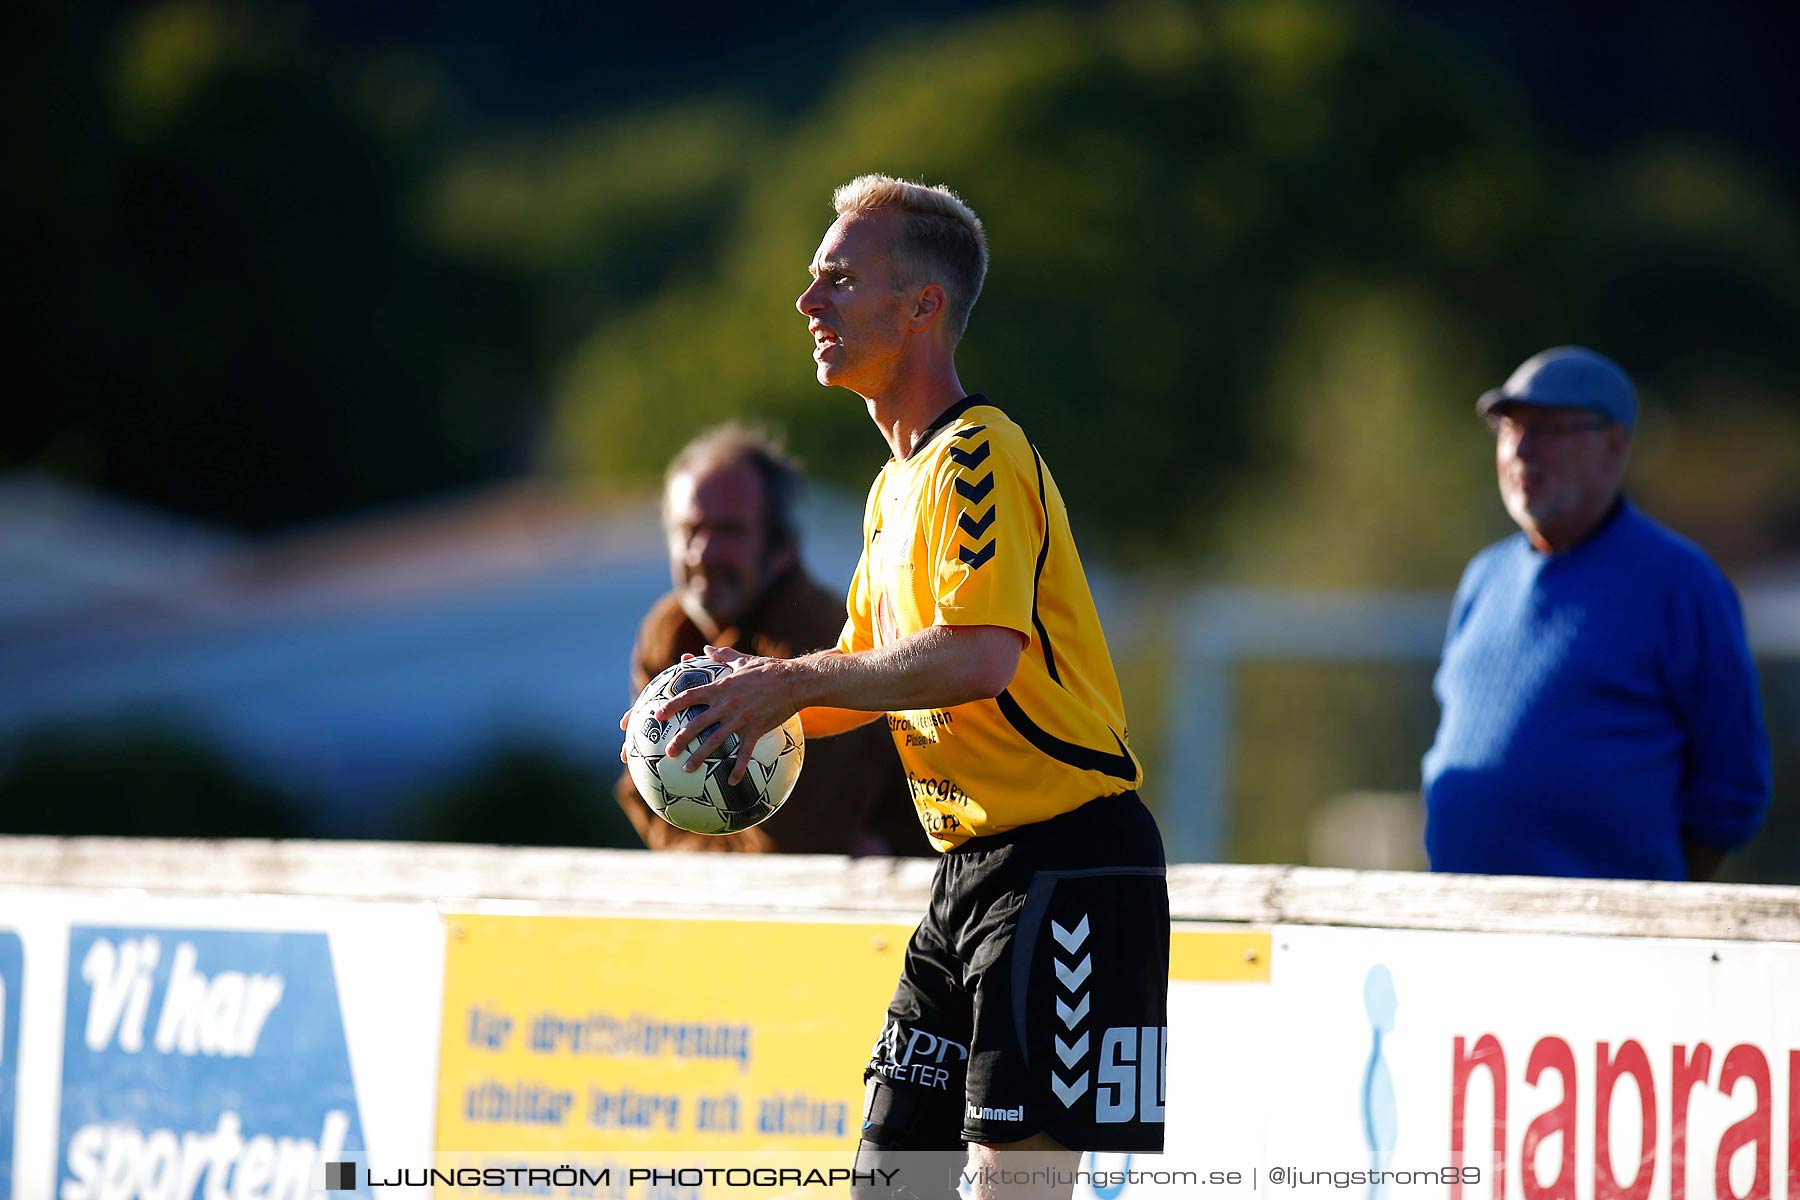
pixel 718 544
pixel 857 321
pixel 1559 469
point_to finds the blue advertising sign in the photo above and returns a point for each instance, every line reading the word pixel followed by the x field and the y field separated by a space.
pixel 12 987
pixel 202 1062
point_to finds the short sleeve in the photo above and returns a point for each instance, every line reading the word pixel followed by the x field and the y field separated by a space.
pixel 987 530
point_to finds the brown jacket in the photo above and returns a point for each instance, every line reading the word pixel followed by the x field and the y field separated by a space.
pixel 851 797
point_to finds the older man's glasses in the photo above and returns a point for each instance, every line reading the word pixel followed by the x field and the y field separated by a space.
pixel 1511 428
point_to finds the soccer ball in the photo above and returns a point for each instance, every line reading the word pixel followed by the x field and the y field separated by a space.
pixel 703 800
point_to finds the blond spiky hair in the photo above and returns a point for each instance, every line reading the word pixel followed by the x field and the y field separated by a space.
pixel 943 241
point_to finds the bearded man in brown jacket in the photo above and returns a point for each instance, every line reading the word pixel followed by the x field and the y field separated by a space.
pixel 728 511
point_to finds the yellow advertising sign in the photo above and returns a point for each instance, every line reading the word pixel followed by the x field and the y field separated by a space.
pixel 573 1033
pixel 564 1034
pixel 1219 955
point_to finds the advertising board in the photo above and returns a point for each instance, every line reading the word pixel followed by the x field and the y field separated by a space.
pixel 736 1041
pixel 176 1048
pixel 1538 1066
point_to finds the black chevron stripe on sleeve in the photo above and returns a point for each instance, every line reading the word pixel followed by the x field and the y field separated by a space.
pixel 977 558
pixel 974 491
pixel 974 528
pixel 977 491
pixel 970 458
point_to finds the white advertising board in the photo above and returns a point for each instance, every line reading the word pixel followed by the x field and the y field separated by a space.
pixel 176 1048
pixel 1550 1066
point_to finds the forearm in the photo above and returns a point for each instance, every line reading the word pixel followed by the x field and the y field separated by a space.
pixel 934 668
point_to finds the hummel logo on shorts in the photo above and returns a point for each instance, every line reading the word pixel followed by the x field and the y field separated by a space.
pixel 997 1114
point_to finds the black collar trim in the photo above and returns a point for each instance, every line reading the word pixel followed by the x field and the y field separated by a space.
pixel 944 418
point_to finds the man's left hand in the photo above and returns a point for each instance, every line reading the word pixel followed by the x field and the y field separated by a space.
pixel 755 697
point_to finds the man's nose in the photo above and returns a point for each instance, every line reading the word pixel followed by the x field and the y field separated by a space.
pixel 1531 444
pixel 810 301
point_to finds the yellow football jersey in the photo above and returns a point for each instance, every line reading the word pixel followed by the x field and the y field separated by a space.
pixel 970 530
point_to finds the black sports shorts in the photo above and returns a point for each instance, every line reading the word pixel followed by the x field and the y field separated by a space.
pixel 1035 992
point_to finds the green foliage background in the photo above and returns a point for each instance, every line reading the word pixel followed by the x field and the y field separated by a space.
pixel 1272 249
pixel 264 272
pixel 1252 262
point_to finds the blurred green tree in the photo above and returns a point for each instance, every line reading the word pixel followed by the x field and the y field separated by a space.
pixel 260 273
pixel 1276 249
pixel 524 796
pixel 225 302
pixel 141 782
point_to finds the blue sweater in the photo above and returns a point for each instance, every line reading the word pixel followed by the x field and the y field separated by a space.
pixel 1598 707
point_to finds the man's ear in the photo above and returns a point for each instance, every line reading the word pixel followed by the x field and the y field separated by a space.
pixel 928 306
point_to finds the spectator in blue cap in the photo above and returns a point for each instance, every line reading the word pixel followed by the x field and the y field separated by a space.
pixel 1599 713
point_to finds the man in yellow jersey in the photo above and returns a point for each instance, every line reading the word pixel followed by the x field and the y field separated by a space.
pixel 1031 1013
